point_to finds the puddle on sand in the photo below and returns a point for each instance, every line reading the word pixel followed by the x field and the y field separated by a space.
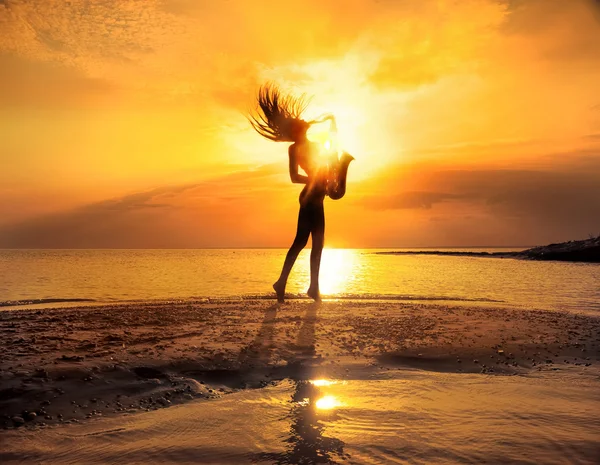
pixel 419 417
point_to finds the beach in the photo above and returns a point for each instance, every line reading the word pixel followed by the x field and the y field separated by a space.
pixel 419 181
pixel 68 368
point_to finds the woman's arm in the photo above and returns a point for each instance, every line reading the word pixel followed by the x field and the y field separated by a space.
pixel 294 175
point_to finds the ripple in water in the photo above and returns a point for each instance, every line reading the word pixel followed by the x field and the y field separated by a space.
pixel 52 276
pixel 418 417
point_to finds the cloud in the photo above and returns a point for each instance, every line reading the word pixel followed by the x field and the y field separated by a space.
pixel 407 200
pixel 561 202
pixel 144 92
pixel 26 83
pixel 80 32
pixel 427 44
pixel 257 207
pixel 548 24
pixel 188 215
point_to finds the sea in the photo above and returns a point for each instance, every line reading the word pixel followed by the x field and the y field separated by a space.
pixel 76 277
pixel 402 416
pixel 408 417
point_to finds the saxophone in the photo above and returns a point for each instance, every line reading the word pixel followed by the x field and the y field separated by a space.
pixel 336 181
pixel 337 169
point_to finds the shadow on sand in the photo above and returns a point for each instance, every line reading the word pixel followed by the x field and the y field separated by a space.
pixel 261 348
pixel 305 442
pixel 305 343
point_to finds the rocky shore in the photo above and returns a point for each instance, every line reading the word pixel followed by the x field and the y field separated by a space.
pixel 572 251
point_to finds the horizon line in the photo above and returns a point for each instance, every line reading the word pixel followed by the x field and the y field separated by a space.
pixel 272 248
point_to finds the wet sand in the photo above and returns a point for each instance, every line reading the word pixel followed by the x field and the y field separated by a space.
pixel 70 365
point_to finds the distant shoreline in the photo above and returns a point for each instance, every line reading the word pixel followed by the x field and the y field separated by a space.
pixel 587 251
pixel 452 254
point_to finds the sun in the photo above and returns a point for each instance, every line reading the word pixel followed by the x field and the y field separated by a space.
pixel 350 127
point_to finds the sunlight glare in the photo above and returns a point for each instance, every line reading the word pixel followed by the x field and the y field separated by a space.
pixel 321 382
pixel 337 269
pixel 327 403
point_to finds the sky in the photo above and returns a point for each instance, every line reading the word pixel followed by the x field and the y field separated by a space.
pixel 123 123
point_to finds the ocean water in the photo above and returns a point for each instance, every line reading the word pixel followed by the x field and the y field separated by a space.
pixel 126 275
pixel 374 415
pixel 405 417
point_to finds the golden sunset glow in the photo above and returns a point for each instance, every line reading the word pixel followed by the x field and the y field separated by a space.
pixel 327 403
pixel 336 271
pixel 131 115
pixel 297 232
pixel 321 382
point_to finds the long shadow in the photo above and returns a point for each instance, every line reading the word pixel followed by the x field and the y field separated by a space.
pixel 260 349
pixel 305 342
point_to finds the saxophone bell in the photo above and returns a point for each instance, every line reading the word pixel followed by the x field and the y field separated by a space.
pixel 337 167
pixel 338 171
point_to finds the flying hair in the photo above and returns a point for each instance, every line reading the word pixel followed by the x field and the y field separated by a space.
pixel 278 113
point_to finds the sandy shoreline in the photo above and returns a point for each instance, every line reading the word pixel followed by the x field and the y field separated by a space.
pixel 74 364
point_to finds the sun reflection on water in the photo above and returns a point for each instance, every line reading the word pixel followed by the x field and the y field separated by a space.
pixel 337 267
pixel 327 403
pixel 322 382
pixel 311 413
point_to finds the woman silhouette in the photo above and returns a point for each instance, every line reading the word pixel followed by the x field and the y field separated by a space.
pixel 281 121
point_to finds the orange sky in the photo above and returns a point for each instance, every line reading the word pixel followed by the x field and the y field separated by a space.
pixel 474 122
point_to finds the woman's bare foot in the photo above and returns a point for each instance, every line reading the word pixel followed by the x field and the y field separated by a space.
pixel 314 294
pixel 280 291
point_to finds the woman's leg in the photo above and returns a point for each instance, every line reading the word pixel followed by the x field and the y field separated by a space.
pixel 318 241
pixel 302 233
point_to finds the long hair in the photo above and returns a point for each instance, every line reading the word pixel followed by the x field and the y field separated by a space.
pixel 278 113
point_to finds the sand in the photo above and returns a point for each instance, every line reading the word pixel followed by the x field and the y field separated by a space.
pixel 72 365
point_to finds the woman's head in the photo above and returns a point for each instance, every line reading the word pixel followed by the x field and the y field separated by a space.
pixel 279 115
pixel 298 129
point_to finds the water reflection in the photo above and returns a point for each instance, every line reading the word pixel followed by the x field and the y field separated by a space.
pixel 337 270
pixel 307 443
pixel 326 402
pixel 322 382
pixel 310 404
pixel 108 275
